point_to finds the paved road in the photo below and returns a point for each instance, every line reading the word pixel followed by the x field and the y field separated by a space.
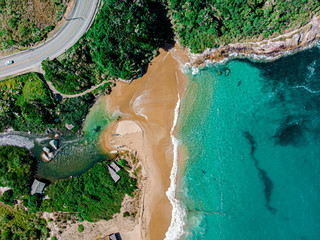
pixel 78 23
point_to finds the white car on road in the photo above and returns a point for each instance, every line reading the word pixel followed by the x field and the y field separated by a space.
pixel 9 62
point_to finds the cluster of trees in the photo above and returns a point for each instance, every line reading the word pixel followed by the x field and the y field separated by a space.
pixel 27 104
pixel 200 24
pixel 124 37
pixel 17 169
pixel 93 194
pixel 25 22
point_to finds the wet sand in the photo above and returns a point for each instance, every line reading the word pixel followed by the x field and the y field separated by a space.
pixel 147 109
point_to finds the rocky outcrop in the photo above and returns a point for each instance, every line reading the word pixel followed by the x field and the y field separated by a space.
pixel 271 49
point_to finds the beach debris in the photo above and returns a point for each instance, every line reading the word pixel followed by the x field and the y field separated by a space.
pixel 115 135
pixel 37 187
pixel 113 151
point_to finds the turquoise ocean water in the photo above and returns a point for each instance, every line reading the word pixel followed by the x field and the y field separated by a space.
pixel 252 136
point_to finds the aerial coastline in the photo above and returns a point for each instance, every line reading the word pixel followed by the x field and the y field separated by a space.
pixel 134 74
pixel 265 50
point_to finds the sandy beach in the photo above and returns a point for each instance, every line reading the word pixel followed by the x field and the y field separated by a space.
pixel 147 108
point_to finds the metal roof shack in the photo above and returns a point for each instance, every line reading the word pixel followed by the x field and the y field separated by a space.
pixel 115 167
pixel 113 174
pixel 114 236
pixel 37 187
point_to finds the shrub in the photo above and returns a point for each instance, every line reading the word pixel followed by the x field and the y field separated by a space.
pixel 80 228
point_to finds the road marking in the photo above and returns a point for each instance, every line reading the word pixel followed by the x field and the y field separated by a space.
pixel 13 65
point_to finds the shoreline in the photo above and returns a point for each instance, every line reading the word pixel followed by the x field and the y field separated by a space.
pixel 149 107
pixel 268 50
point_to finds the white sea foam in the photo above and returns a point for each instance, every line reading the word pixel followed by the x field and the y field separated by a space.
pixel 194 70
pixel 311 68
pixel 175 230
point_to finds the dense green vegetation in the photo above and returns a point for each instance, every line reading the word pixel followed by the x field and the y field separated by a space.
pixel 17 168
pixel 75 71
pixel 124 37
pixel 209 23
pixel 27 104
pixel 16 223
pixel 25 22
pixel 93 194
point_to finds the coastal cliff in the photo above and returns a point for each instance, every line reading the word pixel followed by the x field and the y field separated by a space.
pixel 270 49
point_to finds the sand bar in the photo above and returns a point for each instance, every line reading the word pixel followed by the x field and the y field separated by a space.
pixel 147 108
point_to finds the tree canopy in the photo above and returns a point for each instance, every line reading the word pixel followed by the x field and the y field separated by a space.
pixel 17 168
pixel 202 24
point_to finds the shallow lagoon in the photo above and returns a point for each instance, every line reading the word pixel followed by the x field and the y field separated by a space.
pixel 77 153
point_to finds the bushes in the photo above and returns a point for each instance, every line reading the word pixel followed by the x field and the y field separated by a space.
pixel 7 197
pixel 80 228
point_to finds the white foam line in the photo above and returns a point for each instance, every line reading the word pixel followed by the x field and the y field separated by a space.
pixel 307 89
pixel 175 230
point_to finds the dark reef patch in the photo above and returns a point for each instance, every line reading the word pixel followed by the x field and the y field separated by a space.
pixel 290 132
pixel 267 182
